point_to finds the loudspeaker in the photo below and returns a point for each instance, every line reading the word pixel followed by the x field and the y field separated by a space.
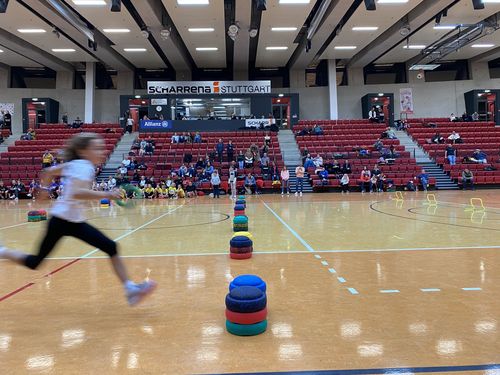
pixel 478 4
pixel 3 5
pixel 261 5
pixel 370 5
pixel 116 5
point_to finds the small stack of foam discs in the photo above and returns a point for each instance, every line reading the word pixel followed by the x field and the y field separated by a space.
pixel 239 210
pixel 246 306
pixel 105 203
pixel 240 247
pixel 37 215
pixel 240 223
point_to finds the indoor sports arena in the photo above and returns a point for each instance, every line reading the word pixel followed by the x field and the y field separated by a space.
pixel 285 187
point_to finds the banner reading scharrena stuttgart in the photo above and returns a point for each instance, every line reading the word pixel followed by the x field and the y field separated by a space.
pixel 209 87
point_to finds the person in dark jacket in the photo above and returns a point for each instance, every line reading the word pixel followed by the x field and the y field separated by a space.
pixel 219 148
pixel 230 151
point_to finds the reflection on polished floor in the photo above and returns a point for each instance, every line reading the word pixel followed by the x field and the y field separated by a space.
pixel 359 282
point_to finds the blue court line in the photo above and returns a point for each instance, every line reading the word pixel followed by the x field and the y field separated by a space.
pixel 296 235
pixel 341 279
pixel 431 290
pixel 324 262
pixel 471 289
pixel 384 371
pixel 353 291
pixel 332 270
pixel 389 291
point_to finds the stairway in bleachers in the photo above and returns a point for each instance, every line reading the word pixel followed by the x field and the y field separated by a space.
pixel 443 181
pixel 291 157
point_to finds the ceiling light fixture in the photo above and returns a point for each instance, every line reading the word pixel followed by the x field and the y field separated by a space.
pixel 345 47
pixel 233 30
pixel 201 29
pixel 283 28
pixel 365 28
pixel 1 50
pixel 278 48
pixel 116 31
pixel 445 27
pixel 31 31
pixel 165 33
pixel 414 46
pixel 484 45
pixel 253 33
pixel 207 49
pixel 135 49
pixel 63 50
pixel 295 1
pixel 491 1
pixel 145 32
pixel 192 2
pixel 89 2
pixel 392 1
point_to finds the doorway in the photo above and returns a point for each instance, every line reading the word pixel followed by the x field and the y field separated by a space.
pixel 486 106
pixel 281 112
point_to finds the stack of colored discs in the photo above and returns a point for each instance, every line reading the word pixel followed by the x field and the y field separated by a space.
pixel 240 223
pixel 246 309
pixel 239 210
pixel 105 203
pixel 241 197
pixel 37 215
pixel 243 233
pixel 241 202
pixel 240 247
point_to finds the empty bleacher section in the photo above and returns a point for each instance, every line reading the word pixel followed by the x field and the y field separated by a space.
pixel 341 141
pixel 475 135
pixel 23 160
pixel 168 156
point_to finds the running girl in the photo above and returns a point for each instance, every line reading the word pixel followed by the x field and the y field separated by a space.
pixel 83 152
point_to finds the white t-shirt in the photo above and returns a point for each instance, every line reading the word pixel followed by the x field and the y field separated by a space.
pixel 78 173
pixel 130 121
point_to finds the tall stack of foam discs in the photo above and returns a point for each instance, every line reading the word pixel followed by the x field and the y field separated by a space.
pixel 240 247
pixel 246 306
pixel 37 215
pixel 105 203
pixel 241 202
pixel 240 223
pixel 239 210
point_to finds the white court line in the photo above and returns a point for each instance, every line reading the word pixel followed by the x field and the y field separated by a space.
pixel 277 252
pixel 135 230
pixel 15 225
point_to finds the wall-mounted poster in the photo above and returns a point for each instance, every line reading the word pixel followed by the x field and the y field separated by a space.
pixel 6 114
pixel 406 101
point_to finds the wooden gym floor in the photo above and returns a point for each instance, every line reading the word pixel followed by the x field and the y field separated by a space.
pixel 359 282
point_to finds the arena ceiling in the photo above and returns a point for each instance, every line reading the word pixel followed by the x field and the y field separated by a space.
pixel 180 35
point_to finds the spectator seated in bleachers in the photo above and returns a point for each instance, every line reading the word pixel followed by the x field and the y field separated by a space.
pixel 29 135
pixel 323 175
pixel 207 173
pixel 454 118
pixel 388 134
pixel 437 139
pixel 317 130
pixel 304 131
pixel 475 116
pixel 126 163
pixel 267 139
pixel 190 189
pixel 122 169
pixel 365 179
pixel 479 157
pixel 466 117
pixel 378 145
pixel 264 165
pixel 346 167
pixel 77 123
pixel 149 192
pixel 250 184
pixel 318 161
pixel 454 137
pixel 392 153
pixel 47 159
pixel 254 149
pixel 197 138
pixel 467 179
pixel 309 163
pixel 174 138
pixel 363 152
pixel 32 190
pixel 111 183
pixel 423 177
pixel 410 185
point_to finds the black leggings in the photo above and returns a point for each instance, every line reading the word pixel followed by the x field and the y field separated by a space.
pixel 58 228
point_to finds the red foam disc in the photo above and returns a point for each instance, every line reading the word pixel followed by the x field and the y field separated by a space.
pixel 241 250
pixel 240 256
pixel 246 318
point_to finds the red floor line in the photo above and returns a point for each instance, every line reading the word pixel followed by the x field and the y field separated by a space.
pixel 18 290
